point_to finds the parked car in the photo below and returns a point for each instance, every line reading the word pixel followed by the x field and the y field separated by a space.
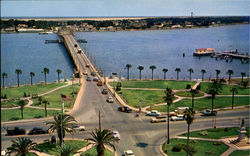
pixel 208 112
pixel 110 99
pixel 16 131
pixel 38 130
pixel 155 120
pixel 116 135
pixel 78 127
pixel 153 113
pixel 88 78
pixel 95 79
pixel 93 73
pixel 87 65
pixel 85 72
pixel 125 109
pixel 177 118
pixel 104 91
pixel 128 153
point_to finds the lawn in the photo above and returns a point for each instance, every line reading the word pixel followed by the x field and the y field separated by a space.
pixel 205 103
pixel 188 94
pixel 10 103
pixel 52 149
pixel 18 92
pixel 28 113
pixel 240 153
pixel 217 133
pixel 161 84
pixel 201 147
pixel 226 89
pixel 93 152
pixel 55 99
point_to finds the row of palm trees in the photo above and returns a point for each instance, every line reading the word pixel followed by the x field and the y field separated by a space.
pixel 178 70
pixel 32 74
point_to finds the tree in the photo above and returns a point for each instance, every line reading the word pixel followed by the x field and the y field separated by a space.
pixel 128 66
pixel 45 102
pixel 242 76
pixel 31 75
pixel 153 67
pixel 190 72
pixel 101 138
pixel 21 146
pixel 234 91
pixel 193 91
pixel 4 75
pixel 189 117
pixel 230 73
pixel 169 98
pixel 213 89
pixel 165 71
pixel 45 71
pixel 21 103
pixel 203 71
pixel 18 72
pixel 62 126
pixel 140 69
pixel 217 74
pixel 58 74
pixel 177 71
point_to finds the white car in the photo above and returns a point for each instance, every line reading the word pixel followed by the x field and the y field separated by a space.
pixel 129 153
pixel 116 135
pixel 153 113
pixel 110 99
pixel 177 118
pixel 85 72
pixel 78 127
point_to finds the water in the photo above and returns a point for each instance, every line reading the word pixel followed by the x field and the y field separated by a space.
pixel 164 49
pixel 27 51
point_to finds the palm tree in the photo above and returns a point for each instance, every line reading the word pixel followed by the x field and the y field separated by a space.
pixel 190 72
pixel 178 70
pixel 18 72
pixel 101 138
pixel 234 91
pixel 217 74
pixel 21 146
pixel 169 98
pixel 45 102
pixel 128 66
pixel 203 71
pixel 153 67
pixel 165 71
pixel 230 73
pixel 213 89
pixel 189 116
pixel 21 103
pixel 66 151
pixel 62 126
pixel 140 68
pixel 58 74
pixel 45 71
pixel 31 75
pixel 4 75
pixel 242 76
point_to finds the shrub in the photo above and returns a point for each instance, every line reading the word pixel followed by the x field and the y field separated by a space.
pixel 193 141
pixel 14 118
pixel 34 96
pixel 191 149
pixel 198 87
pixel 226 129
pixel 177 148
pixel 24 94
pixel 38 116
pixel 188 86
pixel 216 143
pixel 203 133
pixel 210 153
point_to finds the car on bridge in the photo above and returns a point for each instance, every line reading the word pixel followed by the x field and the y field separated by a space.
pixel 38 130
pixel 153 113
pixel 93 73
pixel 85 72
pixel 95 79
pixel 125 109
pixel 104 91
pixel 88 78
pixel 87 65
pixel 110 99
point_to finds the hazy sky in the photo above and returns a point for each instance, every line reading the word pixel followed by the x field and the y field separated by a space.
pixel 85 8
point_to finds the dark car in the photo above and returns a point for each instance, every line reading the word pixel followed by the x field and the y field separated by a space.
pixel 125 109
pixel 88 78
pixel 93 73
pixel 16 131
pixel 104 91
pixel 38 130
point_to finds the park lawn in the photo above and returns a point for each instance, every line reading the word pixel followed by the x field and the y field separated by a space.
pixel 93 152
pixel 28 113
pixel 18 92
pixel 161 84
pixel 226 89
pixel 201 147
pixel 240 153
pixel 52 149
pixel 188 94
pixel 11 103
pixel 217 133
pixel 54 98
pixel 206 103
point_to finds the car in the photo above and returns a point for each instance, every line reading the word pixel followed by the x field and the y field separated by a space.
pixel 128 153
pixel 116 135
pixel 153 113
pixel 78 127
pixel 88 78
pixel 15 131
pixel 85 72
pixel 104 91
pixel 155 120
pixel 177 118
pixel 38 130
pixel 110 99
pixel 208 112
pixel 93 74
pixel 87 65
pixel 95 79
pixel 125 109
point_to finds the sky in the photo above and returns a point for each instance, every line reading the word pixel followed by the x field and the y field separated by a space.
pixel 97 8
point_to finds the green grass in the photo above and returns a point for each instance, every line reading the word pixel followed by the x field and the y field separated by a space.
pixel 205 103
pixel 217 133
pixel 201 147
pixel 55 99
pixel 10 103
pixel 226 89
pixel 240 153
pixel 18 92
pixel 161 84
pixel 52 149
pixel 93 152
pixel 188 94
pixel 28 113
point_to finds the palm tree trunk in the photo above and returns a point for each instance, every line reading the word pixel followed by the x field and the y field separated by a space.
pixel 17 80
pixel 177 75
pixel 190 75
pixel 212 104
pixel 188 140
pixel 140 74
pixel 242 79
pixel 45 108
pixel 128 73
pixel 202 77
pixel 100 150
pixel 3 81
pixel 45 77
pixel 193 101
pixel 22 112
pixel 31 80
pixel 168 141
pixel 229 78
pixel 164 75
pixel 59 77
pixel 152 74
pixel 217 76
pixel 233 100
pixel 60 136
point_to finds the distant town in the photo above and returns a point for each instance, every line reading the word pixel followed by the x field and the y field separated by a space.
pixel 11 25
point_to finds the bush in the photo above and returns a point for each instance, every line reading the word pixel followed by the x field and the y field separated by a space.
pixel 226 129
pixel 210 153
pixel 177 148
pixel 198 87
pixel 34 96
pixel 216 143
pixel 188 86
pixel 203 133
pixel 193 141
pixel 191 149
pixel 38 116
pixel 24 94
pixel 14 118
